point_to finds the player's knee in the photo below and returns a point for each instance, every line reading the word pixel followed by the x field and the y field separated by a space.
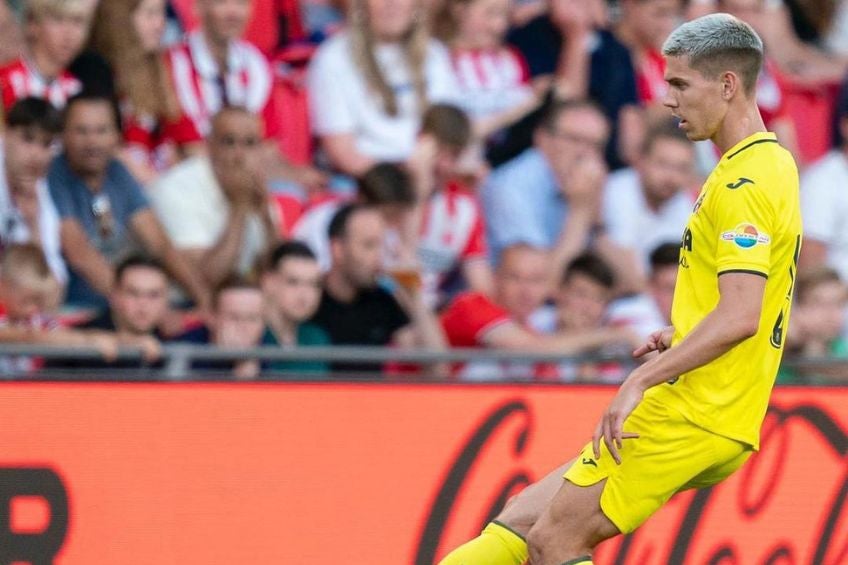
pixel 518 515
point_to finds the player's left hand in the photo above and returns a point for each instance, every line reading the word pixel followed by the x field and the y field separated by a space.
pixel 610 428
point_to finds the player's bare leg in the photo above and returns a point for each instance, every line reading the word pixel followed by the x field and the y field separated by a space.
pixel 502 543
pixel 524 509
pixel 570 527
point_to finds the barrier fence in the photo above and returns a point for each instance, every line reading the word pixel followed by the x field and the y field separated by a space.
pixel 372 474
pixel 177 359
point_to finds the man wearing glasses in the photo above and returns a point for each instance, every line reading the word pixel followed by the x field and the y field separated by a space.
pixel 548 197
pixel 105 215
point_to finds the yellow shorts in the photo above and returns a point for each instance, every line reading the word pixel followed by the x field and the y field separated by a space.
pixel 670 455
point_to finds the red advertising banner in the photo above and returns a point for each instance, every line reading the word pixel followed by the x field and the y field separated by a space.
pixel 371 474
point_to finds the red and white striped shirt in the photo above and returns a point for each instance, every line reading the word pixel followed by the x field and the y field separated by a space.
pixel 202 90
pixel 491 81
pixel 20 79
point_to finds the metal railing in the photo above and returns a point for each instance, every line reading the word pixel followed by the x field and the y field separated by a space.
pixel 178 359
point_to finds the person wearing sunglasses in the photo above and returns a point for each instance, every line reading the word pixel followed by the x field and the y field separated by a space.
pixel 105 215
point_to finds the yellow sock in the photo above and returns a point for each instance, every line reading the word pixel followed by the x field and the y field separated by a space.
pixel 496 545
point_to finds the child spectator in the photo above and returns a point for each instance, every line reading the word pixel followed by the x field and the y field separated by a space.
pixel 55 32
pixel 28 295
pixel 236 323
pixel 27 212
pixel 506 320
pixel 128 33
pixel 292 287
pixel 817 326
pixel 369 85
pixel 581 305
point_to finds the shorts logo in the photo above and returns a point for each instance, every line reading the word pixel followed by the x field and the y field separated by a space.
pixel 587 461
pixel 746 236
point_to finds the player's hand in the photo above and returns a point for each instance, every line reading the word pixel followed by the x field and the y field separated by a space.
pixel 610 428
pixel 658 341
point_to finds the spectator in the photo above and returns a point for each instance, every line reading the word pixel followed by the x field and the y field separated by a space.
pixel 817 326
pixel 103 210
pixel 446 228
pixel 494 86
pixel 649 311
pixel 28 294
pixel 549 196
pixel 354 309
pixel 215 68
pixel 217 209
pixel 505 320
pixel 581 305
pixel 650 203
pixel 436 227
pixel 236 323
pixel 369 85
pixel 385 186
pixel 138 305
pixel 824 204
pixel 27 212
pixel 569 46
pixel 55 32
pixel 128 33
pixel 292 287
pixel 643 26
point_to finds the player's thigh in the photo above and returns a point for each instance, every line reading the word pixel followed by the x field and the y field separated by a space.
pixel 668 453
pixel 730 456
pixel 524 509
pixel 573 523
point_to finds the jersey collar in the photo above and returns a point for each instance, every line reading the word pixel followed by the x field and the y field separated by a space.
pixel 759 137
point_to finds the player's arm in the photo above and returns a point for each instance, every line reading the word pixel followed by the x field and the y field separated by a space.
pixel 735 319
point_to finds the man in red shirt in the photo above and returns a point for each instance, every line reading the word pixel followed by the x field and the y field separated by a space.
pixel 503 321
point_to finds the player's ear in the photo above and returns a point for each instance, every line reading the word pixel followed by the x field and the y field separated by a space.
pixel 730 84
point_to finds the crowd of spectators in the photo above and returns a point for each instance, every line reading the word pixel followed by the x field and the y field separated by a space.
pixel 400 173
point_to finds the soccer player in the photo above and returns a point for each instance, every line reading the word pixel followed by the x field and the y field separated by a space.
pixel 690 416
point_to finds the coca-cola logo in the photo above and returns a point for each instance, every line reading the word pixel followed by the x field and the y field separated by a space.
pixel 786 506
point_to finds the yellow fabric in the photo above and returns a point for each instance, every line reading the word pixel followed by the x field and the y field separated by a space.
pixel 747 218
pixel 670 455
pixel 496 545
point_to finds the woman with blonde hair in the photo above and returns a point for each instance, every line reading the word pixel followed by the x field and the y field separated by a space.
pixel 128 34
pixel 370 84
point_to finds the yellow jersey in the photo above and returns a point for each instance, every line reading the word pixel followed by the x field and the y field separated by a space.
pixel 746 219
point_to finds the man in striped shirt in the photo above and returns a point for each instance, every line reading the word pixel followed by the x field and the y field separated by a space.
pixel 215 68
pixel 56 32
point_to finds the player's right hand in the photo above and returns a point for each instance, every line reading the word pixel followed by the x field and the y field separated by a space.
pixel 658 341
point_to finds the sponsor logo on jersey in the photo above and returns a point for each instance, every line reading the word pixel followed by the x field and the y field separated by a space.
pixel 746 236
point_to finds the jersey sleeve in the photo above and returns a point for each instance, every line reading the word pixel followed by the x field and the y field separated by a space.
pixel 469 317
pixel 745 222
